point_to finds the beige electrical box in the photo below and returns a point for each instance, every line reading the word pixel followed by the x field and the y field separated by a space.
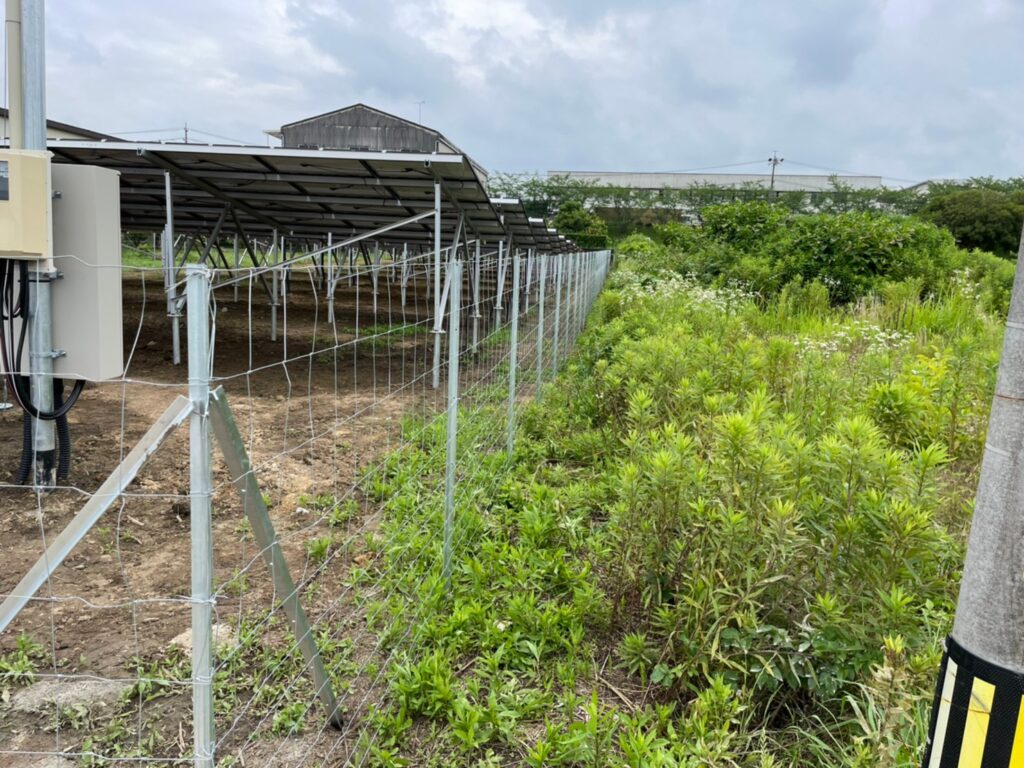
pixel 86 300
pixel 24 204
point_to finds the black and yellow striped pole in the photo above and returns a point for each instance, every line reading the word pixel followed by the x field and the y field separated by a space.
pixel 978 717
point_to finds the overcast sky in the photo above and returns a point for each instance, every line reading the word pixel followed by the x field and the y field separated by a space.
pixel 906 89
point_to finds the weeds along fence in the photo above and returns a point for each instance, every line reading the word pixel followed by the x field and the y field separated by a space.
pixel 216 594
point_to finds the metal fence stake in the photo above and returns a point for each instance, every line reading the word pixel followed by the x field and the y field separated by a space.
pixel 170 271
pixel 540 321
pixel 273 289
pixel 476 299
pixel 200 490
pixel 513 356
pixel 435 380
pixel 499 289
pixel 330 278
pixel 558 315
pixel 451 443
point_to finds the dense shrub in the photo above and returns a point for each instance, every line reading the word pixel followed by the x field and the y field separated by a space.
pixel 763 248
pixel 786 490
pixel 980 218
pixel 747 226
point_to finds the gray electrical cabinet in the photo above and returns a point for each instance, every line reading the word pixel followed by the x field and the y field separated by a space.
pixel 86 301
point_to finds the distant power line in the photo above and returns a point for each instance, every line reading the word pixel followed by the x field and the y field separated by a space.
pixel 177 131
pixel 849 173
pixel 715 167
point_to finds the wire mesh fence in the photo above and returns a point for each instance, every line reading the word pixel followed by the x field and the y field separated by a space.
pixel 225 592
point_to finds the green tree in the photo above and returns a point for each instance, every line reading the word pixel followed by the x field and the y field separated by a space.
pixel 988 219
pixel 587 229
pixel 541 196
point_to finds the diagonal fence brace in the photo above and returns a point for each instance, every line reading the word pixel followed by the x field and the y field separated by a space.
pixel 244 479
pixel 100 502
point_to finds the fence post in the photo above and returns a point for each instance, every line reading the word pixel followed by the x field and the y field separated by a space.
pixel 581 289
pixel 435 380
pixel 513 355
pixel 558 315
pixel 529 281
pixel 476 298
pixel 330 278
pixel 573 299
pixel 238 263
pixel 499 279
pixel 405 272
pixel 273 287
pixel 200 491
pixel 171 271
pixel 375 278
pixel 451 446
pixel 540 321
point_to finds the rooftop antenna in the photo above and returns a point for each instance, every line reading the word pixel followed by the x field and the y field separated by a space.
pixel 419 111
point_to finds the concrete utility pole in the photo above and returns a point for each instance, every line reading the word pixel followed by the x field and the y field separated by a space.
pixel 775 161
pixel 978 708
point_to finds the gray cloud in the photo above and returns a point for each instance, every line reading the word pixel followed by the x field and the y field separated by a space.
pixel 903 88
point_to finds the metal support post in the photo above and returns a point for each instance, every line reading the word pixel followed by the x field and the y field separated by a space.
pixel 589 286
pixel 41 354
pixel 576 305
pixel 282 258
pixel 513 357
pixel 435 380
pixel 274 286
pixel 33 73
pixel 375 278
pixel 170 271
pixel 238 263
pixel 540 320
pixel 451 445
pixel 330 278
pixel 476 298
pixel 499 280
pixel 404 279
pixel 582 293
pixel 200 491
pixel 40 332
pixel 529 278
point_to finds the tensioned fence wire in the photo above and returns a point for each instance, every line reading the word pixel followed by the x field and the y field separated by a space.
pixel 343 398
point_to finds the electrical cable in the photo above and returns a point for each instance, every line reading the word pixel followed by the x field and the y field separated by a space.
pixel 12 357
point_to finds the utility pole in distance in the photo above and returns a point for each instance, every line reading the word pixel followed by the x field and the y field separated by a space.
pixel 977 712
pixel 775 161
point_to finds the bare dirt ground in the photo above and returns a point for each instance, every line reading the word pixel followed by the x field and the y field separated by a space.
pixel 311 425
